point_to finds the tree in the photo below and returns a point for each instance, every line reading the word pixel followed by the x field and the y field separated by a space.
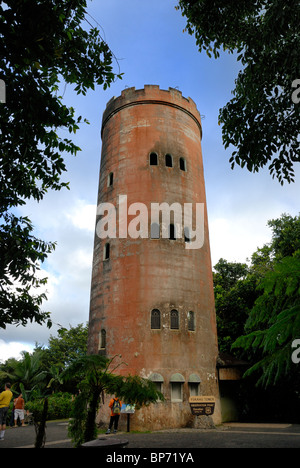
pixel 235 294
pixel 262 120
pixel 285 236
pixel 42 43
pixel 47 362
pixel 26 375
pixel 67 347
pixel 274 321
pixel 61 351
pixel 98 376
pixel 40 426
pixel 258 318
pixel 21 253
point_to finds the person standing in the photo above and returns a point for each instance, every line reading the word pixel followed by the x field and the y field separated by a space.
pixel 5 398
pixel 115 405
pixel 19 405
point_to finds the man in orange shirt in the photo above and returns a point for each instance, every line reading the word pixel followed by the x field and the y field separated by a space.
pixel 5 398
pixel 115 405
pixel 19 405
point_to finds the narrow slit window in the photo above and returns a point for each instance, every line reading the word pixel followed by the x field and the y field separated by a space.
pixel 155 319
pixel 106 253
pixel 153 159
pixel 169 161
pixel 154 231
pixel 182 164
pixel 174 319
pixel 110 179
pixel 172 232
pixel 187 237
pixel 103 339
pixel 191 321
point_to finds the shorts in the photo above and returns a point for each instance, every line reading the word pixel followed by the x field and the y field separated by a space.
pixel 3 415
pixel 20 413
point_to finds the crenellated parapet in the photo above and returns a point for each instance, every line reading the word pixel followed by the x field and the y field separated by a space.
pixel 151 95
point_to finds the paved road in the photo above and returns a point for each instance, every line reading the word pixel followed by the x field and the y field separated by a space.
pixel 226 436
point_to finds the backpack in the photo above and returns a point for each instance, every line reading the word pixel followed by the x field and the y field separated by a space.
pixel 116 408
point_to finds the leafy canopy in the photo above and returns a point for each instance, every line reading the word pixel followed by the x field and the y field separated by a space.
pixel 235 294
pixel 274 321
pixel 262 120
pixel 45 44
pixel 98 376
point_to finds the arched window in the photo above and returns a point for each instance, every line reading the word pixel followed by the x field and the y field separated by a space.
pixel 110 179
pixel 106 252
pixel 169 161
pixel 153 159
pixel 194 384
pixel 158 380
pixel 154 231
pixel 172 232
pixel 191 321
pixel 155 319
pixel 177 381
pixel 182 164
pixel 174 320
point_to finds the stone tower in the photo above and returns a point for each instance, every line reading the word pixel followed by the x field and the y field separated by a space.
pixel 152 297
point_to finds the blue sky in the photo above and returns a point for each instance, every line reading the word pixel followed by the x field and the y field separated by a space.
pixel 147 39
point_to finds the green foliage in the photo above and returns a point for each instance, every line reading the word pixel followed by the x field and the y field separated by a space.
pixel 65 363
pixel 97 375
pixel 275 321
pixel 59 406
pixel 26 376
pixel 21 254
pixel 45 44
pixel 40 426
pixel 138 391
pixel 40 373
pixel 235 293
pixel 78 420
pixel 68 346
pixel 258 307
pixel 261 121
pixel 286 235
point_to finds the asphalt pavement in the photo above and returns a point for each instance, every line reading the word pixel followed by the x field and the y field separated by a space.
pixel 234 435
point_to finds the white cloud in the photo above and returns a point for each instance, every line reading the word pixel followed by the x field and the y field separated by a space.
pixel 83 215
pixel 13 350
pixel 236 241
pixel 70 223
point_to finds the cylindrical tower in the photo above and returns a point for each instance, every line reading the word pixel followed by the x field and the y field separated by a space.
pixel 152 295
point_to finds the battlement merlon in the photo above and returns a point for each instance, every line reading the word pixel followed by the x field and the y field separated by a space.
pixel 152 94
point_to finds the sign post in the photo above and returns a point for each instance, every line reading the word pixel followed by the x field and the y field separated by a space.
pixel 128 409
pixel 202 405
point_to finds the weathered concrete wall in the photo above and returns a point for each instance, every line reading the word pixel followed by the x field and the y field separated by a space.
pixel 144 274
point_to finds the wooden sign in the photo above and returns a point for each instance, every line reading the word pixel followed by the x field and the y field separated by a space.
pixel 202 405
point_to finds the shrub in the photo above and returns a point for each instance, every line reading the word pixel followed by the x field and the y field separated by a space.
pixel 59 407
